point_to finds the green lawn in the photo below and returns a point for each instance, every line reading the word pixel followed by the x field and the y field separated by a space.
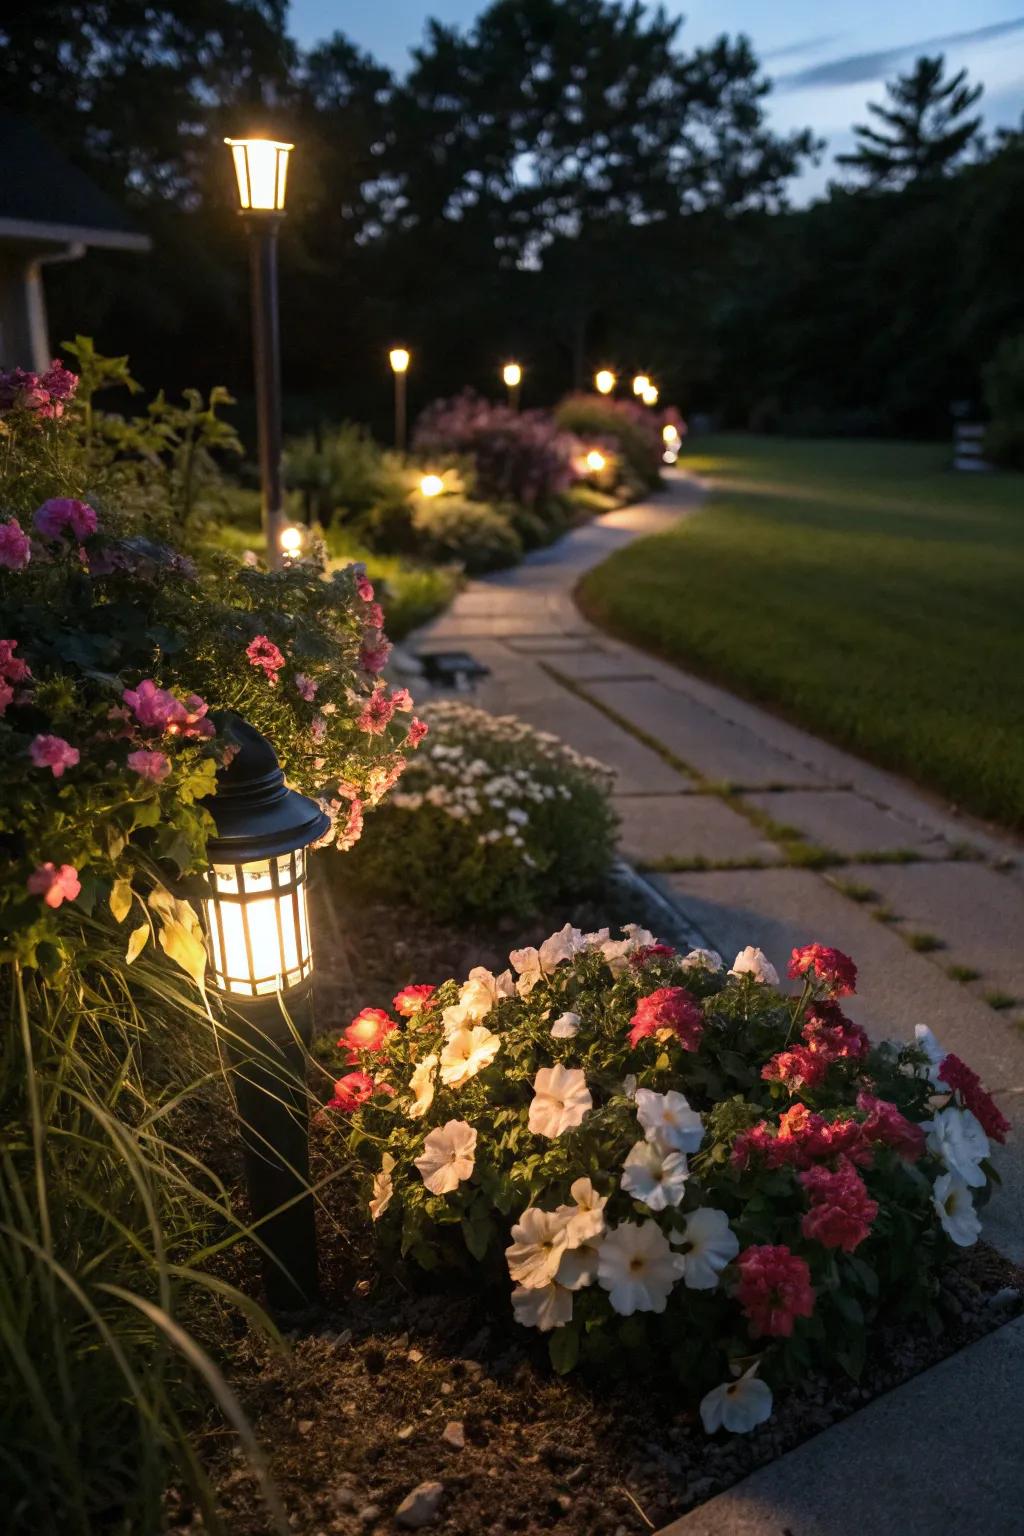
pixel 859 588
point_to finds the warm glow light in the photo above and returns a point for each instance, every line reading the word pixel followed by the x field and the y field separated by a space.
pixel 258 927
pixel 512 374
pixel 596 461
pixel 291 541
pixel 261 170
pixel 650 395
pixel 431 485
pixel 398 357
pixel 604 381
pixel 640 383
pixel 670 456
pixel 670 434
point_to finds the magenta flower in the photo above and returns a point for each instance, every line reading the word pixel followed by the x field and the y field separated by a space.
pixel 154 766
pixel 15 546
pixel 53 752
pixel 306 687
pixel 377 712
pixel 12 668
pixel 263 653
pixel 62 514
pixel 54 885
pixel 153 707
pixel 364 587
pixel 417 730
pixel 375 651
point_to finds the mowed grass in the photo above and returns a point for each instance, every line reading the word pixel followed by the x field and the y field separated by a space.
pixel 862 589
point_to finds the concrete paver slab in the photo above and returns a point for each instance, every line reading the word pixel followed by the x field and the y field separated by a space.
pixel 939 1454
pixel 847 822
pixel 695 826
pixel 704 740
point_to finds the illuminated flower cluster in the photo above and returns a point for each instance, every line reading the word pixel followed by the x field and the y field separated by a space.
pixel 599 1114
pixel 42 395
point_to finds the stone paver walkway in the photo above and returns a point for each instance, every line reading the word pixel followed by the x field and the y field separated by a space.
pixel 758 832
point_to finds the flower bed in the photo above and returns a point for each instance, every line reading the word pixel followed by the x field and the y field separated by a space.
pixel 492 818
pixel 656 1160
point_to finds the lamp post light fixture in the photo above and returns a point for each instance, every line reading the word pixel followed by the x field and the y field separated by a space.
pixel 604 381
pixel 399 359
pixel 261 171
pixel 291 542
pixel 261 960
pixel 512 374
pixel 641 383
pixel 650 395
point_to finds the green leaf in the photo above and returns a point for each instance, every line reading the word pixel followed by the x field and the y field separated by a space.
pixel 477 1235
pixel 564 1349
pixel 137 942
pixel 121 899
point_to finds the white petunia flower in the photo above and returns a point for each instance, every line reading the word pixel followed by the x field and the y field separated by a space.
pixel 421 1085
pixel 637 1267
pixel 616 952
pixel 448 1157
pixel 956 1136
pixel 538 1242
pixel 585 1219
pixel 533 965
pixel 702 960
pixel 596 939
pixel 566 1027
pixel 466 1053
pixel 754 962
pixel 952 1200
pixel 549 1306
pixel 656 1178
pixel 668 1120
pixel 738 1406
pixel 482 989
pixel 578 1266
pixel 383 1188
pixel 709 1244
pixel 561 1099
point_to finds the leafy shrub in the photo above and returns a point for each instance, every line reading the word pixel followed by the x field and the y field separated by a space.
pixel 1004 396
pixel 494 818
pixel 519 456
pixel 114 650
pixel 344 475
pixel 633 430
pixel 694 1170
pixel 471 532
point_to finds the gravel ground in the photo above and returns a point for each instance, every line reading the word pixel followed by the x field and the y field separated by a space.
pixel 396 1408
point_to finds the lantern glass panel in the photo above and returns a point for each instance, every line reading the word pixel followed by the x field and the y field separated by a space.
pixel 261 170
pixel 258 925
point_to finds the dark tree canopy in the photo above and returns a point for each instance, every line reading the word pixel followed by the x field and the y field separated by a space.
pixel 925 131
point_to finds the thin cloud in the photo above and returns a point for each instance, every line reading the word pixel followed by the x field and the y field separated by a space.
pixel 809 45
pixel 859 67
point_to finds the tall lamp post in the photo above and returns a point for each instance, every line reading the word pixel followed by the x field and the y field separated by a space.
pixel 398 357
pixel 512 374
pixel 261 170
pixel 261 958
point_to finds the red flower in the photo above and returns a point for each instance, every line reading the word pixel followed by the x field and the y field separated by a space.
pixel 413 1000
pixel 774 1289
pixel 671 1009
pixel 651 952
pixel 836 971
pixel 802 1139
pixel 956 1074
pixel 799 1068
pixel 841 1209
pixel 351 1091
pixel 417 730
pixel 828 1031
pixel 887 1126
pixel 368 1030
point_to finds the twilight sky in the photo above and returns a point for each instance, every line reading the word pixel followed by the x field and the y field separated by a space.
pixel 826 61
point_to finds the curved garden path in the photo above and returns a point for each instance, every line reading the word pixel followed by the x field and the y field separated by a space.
pixel 758 832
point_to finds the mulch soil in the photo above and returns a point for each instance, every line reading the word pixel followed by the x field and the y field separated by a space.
pixel 393 1383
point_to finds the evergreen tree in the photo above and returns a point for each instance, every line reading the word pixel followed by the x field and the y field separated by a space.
pixel 925 131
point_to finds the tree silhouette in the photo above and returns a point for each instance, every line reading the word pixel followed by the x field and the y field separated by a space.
pixel 925 130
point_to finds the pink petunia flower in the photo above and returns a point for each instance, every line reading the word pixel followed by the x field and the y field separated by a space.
pixel 306 687
pixel 364 586
pixel 53 752
pixel 841 1210
pixel 411 1000
pixel 380 780
pixel 377 713
pixel 668 1011
pixel 417 730
pixel 12 668
pixel 774 1289
pixel 368 1030
pixel 401 698
pixel 376 648
pixel 154 766
pixel 15 546
pixel 263 653
pixel 835 971
pixel 64 515
pixel 351 1091
pixel 54 885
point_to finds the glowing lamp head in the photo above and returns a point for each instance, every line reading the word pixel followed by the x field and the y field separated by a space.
pixel 431 485
pixel 670 455
pixel 650 395
pixel 640 383
pixel 261 170
pixel 512 374
pixel 291 541
pixel 398 357
pixel 604 381
pixel 596 461
pixel 256 915
pixel 670 434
